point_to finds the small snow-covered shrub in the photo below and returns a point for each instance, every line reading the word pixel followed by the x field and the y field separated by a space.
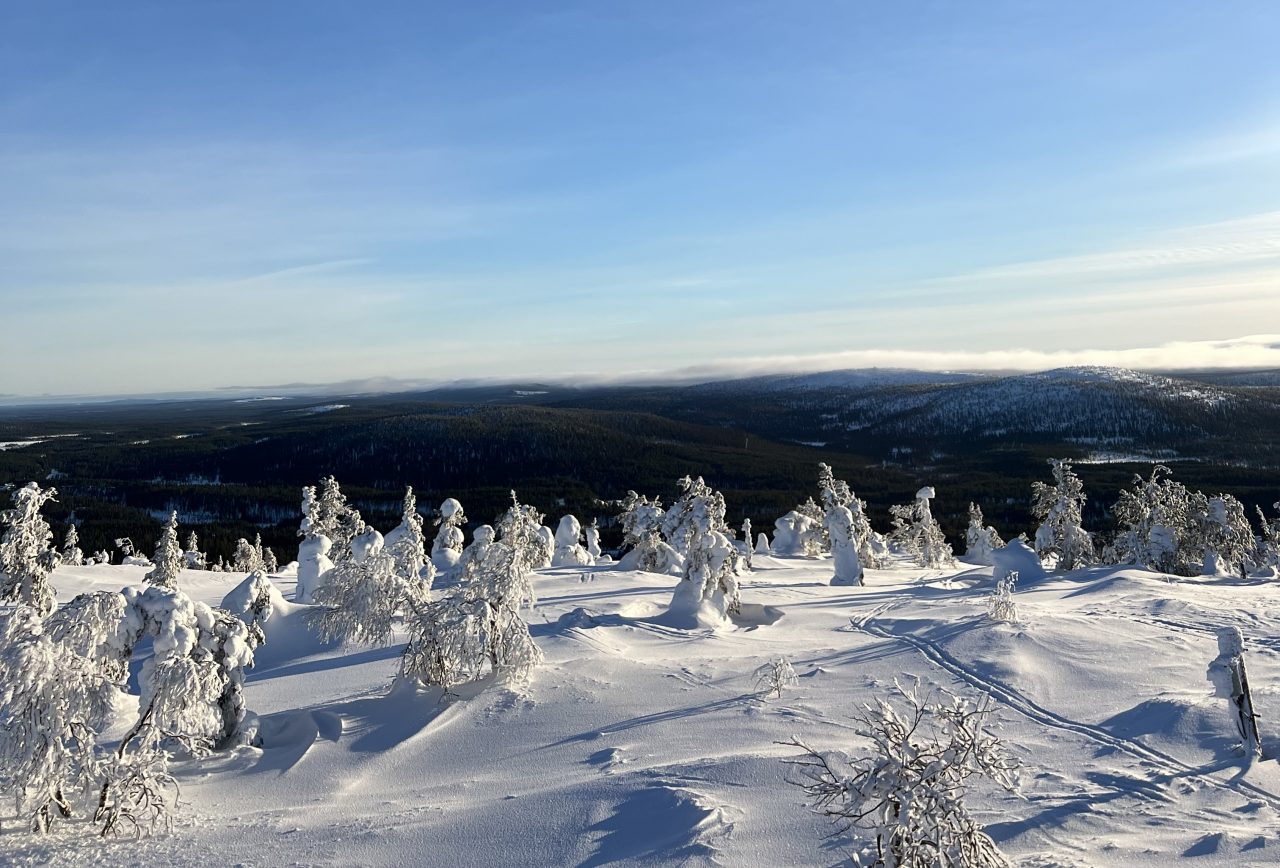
pixel 776 676
pixel 363 598
pixel 981 539
pixel 1000 604
pixel 905 799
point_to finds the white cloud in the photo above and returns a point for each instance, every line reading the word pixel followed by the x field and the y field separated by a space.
pixel 1254 351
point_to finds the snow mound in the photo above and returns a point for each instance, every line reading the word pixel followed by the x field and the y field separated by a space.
pixel 662 823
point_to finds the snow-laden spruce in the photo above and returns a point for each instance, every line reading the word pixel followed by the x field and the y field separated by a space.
pixel 1059 508
pixel 905 800
pixel 71 555
pixel 26 555
pixel 917 535
pixel 195 559
pixel 708 590
pixel 449 541
pixel 168 559
pixel 407 544
pixel 314 565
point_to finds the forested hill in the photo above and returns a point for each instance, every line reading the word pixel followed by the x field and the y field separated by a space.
pixel 234 467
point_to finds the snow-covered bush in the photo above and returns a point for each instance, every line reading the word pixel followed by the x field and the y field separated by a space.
pixel 71 555
pixel 569 549
pixel 1000 604
pixel 366 545
pixel 813 539
pixel 776 676
pixel 193 684
pixel 1164 526
pixel 254 601
pixel 1059 509
pixel 26 558
pixel 362 599
pixel 981 539
pixel 168 559
pixel 475 628
pixel 906 798
pixel 790 532
pixel 762 544
pixel 917 535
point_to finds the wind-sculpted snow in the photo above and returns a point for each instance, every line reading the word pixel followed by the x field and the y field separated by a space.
pixel 638 742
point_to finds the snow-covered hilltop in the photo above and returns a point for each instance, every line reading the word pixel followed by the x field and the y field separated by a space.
pixel 521 698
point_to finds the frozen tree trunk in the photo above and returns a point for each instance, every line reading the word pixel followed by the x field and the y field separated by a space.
pixel 1228 675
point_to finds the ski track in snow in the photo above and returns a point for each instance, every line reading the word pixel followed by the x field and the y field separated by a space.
pixel 1169 765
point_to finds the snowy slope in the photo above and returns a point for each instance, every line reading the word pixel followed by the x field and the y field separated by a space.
pixel 639 744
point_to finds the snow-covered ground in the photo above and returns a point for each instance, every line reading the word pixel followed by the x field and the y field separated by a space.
pixel 635 743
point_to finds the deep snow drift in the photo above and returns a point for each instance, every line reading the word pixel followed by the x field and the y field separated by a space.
pixel 639 743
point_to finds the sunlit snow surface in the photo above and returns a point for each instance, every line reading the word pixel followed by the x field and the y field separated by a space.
pixel 638 744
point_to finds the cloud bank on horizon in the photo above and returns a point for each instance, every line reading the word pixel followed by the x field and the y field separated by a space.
pixel 204 195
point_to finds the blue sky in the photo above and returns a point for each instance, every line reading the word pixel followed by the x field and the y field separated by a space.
pixel 211 194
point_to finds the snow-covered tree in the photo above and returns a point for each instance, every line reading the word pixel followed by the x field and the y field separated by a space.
pixel 592 534
pixel 193 684
pixel 1164 526
pixel 1269 546
pixel 708 589
pixel 1059 508
pixel 245 559
pixel 569 549
pixel 168 558
pixel 269 561
pixel 981 539
pixel 58 681
pixel 26 556
pixel 520 527
pixel 363 598
pixel 447 547
pixel 905 800
pixel 699 509
pixel 844 550
pixel 475 628
pixel 1221 531
pixel 814 540
pixel 314 564
pixel 917 534
pixel 408 546
pixel 745 549
pixel 328 514
pixel 642 521
pixel 790 532
pixel 194 557
pixel 71 555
